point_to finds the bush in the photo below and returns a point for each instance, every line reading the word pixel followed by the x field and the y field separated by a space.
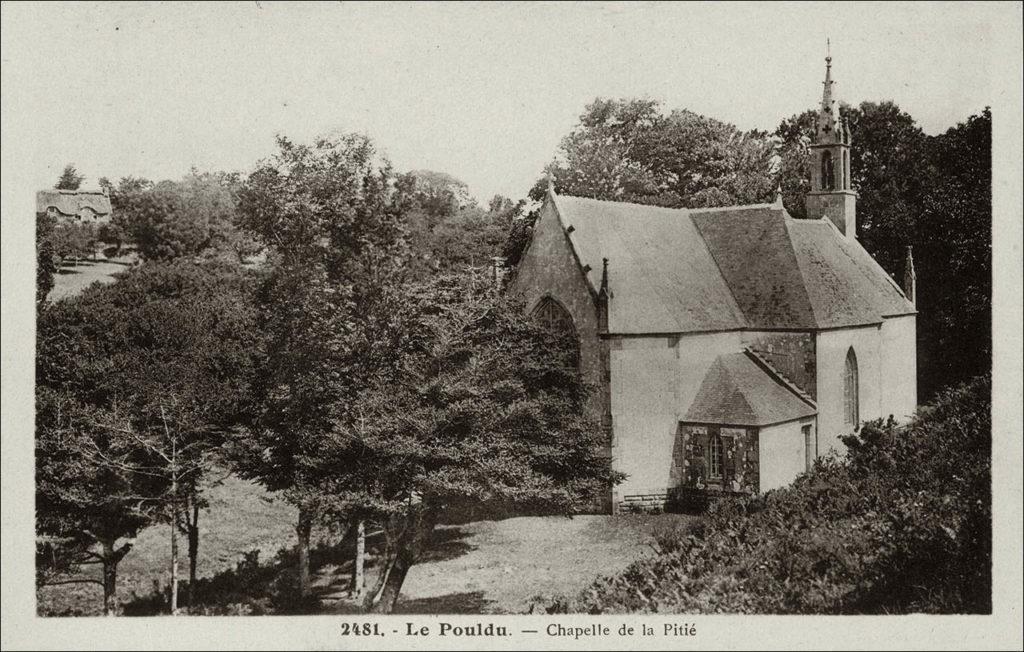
pixel 901 524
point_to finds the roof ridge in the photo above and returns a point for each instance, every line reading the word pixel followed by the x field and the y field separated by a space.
pixel 781 377
pixel 682 209
pixel 733 207
pixel 627 203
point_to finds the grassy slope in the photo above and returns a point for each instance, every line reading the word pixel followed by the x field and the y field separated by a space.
pixel 242 517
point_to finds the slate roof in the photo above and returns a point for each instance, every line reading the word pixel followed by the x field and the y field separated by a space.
pixel 73 202
pixel 738 391
pixel 739 267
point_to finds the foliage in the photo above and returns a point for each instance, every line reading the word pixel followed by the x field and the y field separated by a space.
pixel 482 408
pixel 134 379
pixel 631 150
pixel 47 259
pixel 69 179
pixel 902 524
pixel 329 216
pixel 953 254
pixel 171 219
pixel 447 230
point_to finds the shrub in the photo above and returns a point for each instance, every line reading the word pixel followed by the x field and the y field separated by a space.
pixel 901 524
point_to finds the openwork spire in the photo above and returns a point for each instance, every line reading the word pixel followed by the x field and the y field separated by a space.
pixel 828 123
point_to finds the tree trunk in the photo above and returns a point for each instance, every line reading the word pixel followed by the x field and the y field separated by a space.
pixel 385 562
pixel 174 551
pixel 193 551
pixel 303 530
pixel 393 585
pixel 409 543
pixel 358 579
pixel 111 557
pixel 109 579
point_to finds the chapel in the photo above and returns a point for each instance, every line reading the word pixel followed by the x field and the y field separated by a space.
pixel 731 346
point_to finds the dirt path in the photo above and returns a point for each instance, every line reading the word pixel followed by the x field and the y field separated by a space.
pixel 499 566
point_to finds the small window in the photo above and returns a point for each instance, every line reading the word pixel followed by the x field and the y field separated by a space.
pixel 717 465
pixel 809 445
pixel 851 390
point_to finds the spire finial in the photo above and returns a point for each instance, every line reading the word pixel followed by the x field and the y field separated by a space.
pixel 551 182
pixel 778 196
pixel 827 113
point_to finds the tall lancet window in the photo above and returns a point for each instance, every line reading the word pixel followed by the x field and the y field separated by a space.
pixel 851 390
pixel 828 171
pixel 554 317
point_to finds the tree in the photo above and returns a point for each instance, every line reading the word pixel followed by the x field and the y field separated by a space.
pixel 328 215
pixel 481 411
pixel 631 150
pixel 69 179
pixel 952 241
pixel 47 259
pixel 145 373
pixel 171 219
pixel 90 504
pixel 447 231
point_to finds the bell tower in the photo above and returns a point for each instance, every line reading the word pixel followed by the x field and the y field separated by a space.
pixel 831 194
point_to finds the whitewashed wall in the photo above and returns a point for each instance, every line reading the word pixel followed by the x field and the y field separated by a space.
pixel 782 454
pixel 653 381
pixel 899 367
pixel 831 348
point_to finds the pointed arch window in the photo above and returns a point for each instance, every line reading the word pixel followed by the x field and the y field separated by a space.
pixel 550 314
pixel 828 171
pixel 851 390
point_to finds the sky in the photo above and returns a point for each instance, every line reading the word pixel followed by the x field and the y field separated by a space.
pixel 481 91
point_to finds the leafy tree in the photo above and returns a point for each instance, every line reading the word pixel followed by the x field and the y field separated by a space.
pixel 47 259
pixel 69 179
pixel 328 215
pixel 172 219
pixel 145 374
pixel 90 503
pixel 631 150
pixel 482 411
pixel 952 241
pixel 447 231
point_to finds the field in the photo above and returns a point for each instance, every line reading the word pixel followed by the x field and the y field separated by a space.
pixel 479 567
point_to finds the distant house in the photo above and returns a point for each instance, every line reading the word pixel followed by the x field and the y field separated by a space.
pixel 77 206
pixel 732 346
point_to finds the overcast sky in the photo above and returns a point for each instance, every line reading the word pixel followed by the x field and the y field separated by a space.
pixel 481 91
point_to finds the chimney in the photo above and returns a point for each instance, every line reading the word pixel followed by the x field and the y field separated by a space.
pixel 910 277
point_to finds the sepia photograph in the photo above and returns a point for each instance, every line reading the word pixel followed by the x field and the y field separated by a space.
pixel 511 324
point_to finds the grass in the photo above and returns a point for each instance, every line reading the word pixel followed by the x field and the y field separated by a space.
pixel 242 517
pixel 478 567
pixel 75 276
